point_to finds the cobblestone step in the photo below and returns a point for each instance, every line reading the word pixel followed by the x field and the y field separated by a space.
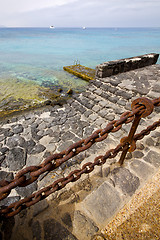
pixel 80 209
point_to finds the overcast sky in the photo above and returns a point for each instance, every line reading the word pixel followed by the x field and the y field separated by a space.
pixel 75 13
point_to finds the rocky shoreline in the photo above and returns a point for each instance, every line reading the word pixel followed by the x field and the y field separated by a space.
pixel 29 138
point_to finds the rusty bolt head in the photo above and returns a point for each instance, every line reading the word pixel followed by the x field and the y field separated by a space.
pixel 143 102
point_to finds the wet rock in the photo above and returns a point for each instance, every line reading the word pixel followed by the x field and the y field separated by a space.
pixel 70 91
pixel 60 90
pixel 16 159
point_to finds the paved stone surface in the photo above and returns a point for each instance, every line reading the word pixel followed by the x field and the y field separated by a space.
pixel 29 138
pixel 137 166
pixel 36 230
pixel 54 230
pixel 139 219
pixel 83 227
pixel 154 158
pixel 125 180
pixel 99 205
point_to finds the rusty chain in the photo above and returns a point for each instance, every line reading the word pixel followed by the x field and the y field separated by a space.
pixel 18 206
pixel 73 150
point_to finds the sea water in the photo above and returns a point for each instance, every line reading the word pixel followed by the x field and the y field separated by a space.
pixel 33 58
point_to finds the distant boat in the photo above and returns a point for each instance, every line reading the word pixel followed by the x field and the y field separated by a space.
pixel 83 28
pixel 52 27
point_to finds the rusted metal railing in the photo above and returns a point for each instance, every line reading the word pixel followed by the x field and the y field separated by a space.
pixel 141 107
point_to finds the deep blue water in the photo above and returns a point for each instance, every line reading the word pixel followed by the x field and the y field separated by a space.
pixel 39 54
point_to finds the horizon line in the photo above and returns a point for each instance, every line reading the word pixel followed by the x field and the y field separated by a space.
pixel 77 27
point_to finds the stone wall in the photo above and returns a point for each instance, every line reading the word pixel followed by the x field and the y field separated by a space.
pixel 123 65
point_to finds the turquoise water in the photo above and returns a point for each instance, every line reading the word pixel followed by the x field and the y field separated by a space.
pixel 38 54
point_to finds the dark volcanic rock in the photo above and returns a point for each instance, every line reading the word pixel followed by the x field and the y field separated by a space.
pixel 8 133
pixel 38 149
pixel 30 145
pixel 16 159
pixel 3 150
pixel 16 140
pixel 18 128
pixel 34 134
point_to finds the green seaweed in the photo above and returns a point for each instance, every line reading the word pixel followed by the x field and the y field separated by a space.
pixel 81 71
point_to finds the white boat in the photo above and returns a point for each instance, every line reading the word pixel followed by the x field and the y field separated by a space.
pixel 52 27
pixel 83 28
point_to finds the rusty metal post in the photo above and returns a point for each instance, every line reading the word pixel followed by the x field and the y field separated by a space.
pixel 129 139
pixel 148 108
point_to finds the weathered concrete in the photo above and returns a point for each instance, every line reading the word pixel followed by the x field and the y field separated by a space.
pixel 110 68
